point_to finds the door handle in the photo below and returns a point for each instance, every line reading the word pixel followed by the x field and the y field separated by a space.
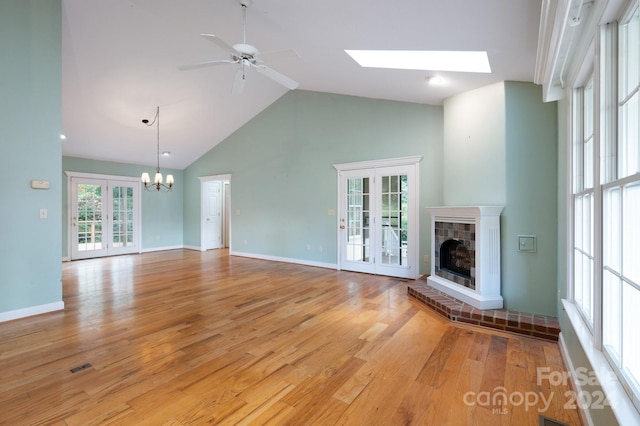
pixel 341 226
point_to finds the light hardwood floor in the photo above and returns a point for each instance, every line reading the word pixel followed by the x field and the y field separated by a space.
pixel 183 337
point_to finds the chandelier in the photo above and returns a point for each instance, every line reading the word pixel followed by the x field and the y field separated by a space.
pixel 157 181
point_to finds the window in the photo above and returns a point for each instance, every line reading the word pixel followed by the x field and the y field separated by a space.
pixel 583 201
pixel 621 213
pixel 606 209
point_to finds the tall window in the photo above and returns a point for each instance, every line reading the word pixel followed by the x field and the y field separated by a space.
pixel 583 201
pixel 621 217
pixel 606 213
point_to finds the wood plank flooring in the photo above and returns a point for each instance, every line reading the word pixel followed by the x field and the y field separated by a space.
pixel 185 338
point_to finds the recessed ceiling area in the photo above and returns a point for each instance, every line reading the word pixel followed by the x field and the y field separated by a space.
pixel 121 57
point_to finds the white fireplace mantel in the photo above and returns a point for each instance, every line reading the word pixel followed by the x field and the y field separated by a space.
pixel 487 254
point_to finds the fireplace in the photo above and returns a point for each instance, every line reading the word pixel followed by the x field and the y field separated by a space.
pixel 466 254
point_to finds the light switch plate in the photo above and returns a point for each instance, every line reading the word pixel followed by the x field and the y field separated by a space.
pixel 527 243
pixel 40 184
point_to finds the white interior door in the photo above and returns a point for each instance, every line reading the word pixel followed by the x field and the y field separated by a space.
pixel 378 224
pixel 105 216
pixel 212 214
pixel 214 207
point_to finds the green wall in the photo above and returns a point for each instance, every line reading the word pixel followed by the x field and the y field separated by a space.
pixel 162 215
pixel 30 119
pixel 530 279
pixel 500 148
pixel 283 183
pixel 474 147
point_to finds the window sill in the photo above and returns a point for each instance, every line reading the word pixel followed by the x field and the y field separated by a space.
pixel 621 405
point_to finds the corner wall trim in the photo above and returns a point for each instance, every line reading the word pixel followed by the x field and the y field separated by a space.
pixel 31 311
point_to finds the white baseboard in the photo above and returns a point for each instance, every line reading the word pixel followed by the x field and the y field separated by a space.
pixel 149 250
pixel 196 248
pixel 285 259
pixel 31 311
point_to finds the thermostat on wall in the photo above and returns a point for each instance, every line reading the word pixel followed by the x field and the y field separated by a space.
pixel 40 184
pixel 527 243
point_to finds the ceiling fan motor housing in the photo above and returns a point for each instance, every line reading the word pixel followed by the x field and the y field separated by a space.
pixel 246 51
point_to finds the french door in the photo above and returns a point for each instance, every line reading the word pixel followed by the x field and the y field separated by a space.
pixel 105 217
pixel 378 221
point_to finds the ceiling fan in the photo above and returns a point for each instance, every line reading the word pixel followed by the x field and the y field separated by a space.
pixel 247 56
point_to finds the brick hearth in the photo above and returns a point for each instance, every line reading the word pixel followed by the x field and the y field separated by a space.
pixel 533 325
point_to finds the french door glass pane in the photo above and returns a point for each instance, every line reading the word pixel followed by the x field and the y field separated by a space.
pixel 358 210
pixel 89 217
pixel 394 220
pixel 122 216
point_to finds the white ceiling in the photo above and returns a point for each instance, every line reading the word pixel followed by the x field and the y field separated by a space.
pixel 119 61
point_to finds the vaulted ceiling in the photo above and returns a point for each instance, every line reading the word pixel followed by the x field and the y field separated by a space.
pixel 120 61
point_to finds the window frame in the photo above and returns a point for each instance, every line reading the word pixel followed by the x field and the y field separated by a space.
pixel 608 81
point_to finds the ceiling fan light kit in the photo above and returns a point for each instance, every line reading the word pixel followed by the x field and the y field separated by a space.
pixel 247 56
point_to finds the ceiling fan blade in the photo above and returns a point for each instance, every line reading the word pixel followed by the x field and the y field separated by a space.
pixel 205 64
pixel 220 43
pixel 238 82
pixel 277 77
pixel 276 54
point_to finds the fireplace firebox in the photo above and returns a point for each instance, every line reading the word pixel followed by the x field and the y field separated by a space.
pixel 455 258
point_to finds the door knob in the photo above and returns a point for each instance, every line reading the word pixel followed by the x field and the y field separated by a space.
pixel 341 226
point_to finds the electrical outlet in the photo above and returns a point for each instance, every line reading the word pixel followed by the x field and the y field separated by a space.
pixel 425 259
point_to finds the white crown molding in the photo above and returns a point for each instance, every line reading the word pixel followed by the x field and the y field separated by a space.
pixel 552 40
pixel 388 162
pixel 566 42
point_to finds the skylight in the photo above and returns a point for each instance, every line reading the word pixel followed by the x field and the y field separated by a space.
pixel 428 60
